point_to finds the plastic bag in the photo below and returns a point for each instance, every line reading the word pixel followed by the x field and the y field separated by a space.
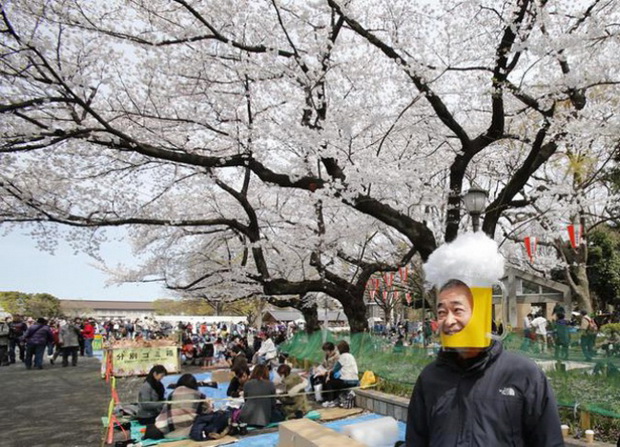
pixel 368 379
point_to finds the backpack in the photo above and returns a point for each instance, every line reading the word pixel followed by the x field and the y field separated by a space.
pixel 592 326
pixel 210 426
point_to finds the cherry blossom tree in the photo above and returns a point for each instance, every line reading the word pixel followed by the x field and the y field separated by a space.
pixel 290 148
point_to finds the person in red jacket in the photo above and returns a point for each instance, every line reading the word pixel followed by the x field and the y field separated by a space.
pixel 88 332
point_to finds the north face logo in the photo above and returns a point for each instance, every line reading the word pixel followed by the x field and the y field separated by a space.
pixel 507 391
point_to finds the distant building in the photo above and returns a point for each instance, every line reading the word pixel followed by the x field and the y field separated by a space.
pixel 103 310
pixel 288 315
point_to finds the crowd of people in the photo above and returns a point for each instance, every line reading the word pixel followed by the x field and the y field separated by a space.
pixel 541 335
pixel 29 340
pixel 264 387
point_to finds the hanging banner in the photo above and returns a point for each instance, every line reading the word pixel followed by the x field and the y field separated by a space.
pixel 372 293
pixel 389 279
pixel 408 297
pixel 403 272
pixel 531 244
pixel 395 296
pixel 575 232
pixel 385 295
pixel 130 361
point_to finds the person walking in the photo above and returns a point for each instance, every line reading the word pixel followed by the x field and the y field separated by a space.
pixel 539 325
pixel 4 341
pixel 88 332
pixel 562 337
pixel 17 329
pixel 588 329
pixel 68 339
pixel 37 337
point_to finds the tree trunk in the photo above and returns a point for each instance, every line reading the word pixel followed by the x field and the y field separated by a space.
pixel 311 315
pixel 355 310
pixel 580 286
pixel 576 273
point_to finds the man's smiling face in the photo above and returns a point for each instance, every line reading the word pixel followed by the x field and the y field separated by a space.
pixel 454 309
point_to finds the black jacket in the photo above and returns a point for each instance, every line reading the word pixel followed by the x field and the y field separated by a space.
pixel 495 399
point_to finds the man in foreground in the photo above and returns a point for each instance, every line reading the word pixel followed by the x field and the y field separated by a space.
pixel 479 396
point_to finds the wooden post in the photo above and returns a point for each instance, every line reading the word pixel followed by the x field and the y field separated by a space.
pixel 584 420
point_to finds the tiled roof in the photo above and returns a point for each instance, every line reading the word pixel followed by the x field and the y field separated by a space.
pixel 107 305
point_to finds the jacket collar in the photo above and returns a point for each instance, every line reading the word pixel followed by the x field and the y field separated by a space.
pixel 450 358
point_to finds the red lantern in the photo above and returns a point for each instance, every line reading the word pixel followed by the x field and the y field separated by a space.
pixel 403 272
pixel 377 282
pixel 531 244
pixel 575 232
pixel 408 297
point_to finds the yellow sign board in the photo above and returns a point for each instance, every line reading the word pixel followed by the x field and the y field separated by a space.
pixel 139 361
pixel 98 342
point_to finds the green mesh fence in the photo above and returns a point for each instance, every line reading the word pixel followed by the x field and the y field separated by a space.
pixel 593 386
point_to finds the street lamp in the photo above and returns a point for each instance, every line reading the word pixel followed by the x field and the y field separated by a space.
pixel 475 202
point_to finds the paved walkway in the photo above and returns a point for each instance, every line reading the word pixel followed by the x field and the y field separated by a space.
pixel 55 406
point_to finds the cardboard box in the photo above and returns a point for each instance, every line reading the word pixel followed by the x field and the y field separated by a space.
pixel 221 375
pixel 307 433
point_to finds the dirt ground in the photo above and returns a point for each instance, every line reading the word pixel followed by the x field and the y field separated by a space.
pixel 54 406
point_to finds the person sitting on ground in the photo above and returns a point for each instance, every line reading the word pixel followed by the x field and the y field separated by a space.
pixel 267 352
pixel 151 396
pixel 294 403
pixel 344 375
pixel 235 387
pixel 188 352
pixel 418 340
pixel 611 346
pixel 257 410
pixel 321 372
pixel 238 358
pixel 177 416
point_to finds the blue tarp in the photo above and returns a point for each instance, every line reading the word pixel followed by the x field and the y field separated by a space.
pixel 271 439
pixel 213 393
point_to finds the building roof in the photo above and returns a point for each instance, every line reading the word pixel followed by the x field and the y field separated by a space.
pixel 107 305
pixel 285 315
pixel 293 315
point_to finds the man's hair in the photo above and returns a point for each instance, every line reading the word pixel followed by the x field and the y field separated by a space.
pixel 343 347
pixel 452 284
pixel 584 312
pixel 328 346
pixel 284 370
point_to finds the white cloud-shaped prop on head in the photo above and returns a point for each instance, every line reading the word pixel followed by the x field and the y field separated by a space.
pixel 473 258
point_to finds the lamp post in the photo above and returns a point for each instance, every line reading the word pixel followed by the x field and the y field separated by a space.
pixel 475 201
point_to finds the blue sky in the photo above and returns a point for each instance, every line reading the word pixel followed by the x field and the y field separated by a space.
pixel 24 268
